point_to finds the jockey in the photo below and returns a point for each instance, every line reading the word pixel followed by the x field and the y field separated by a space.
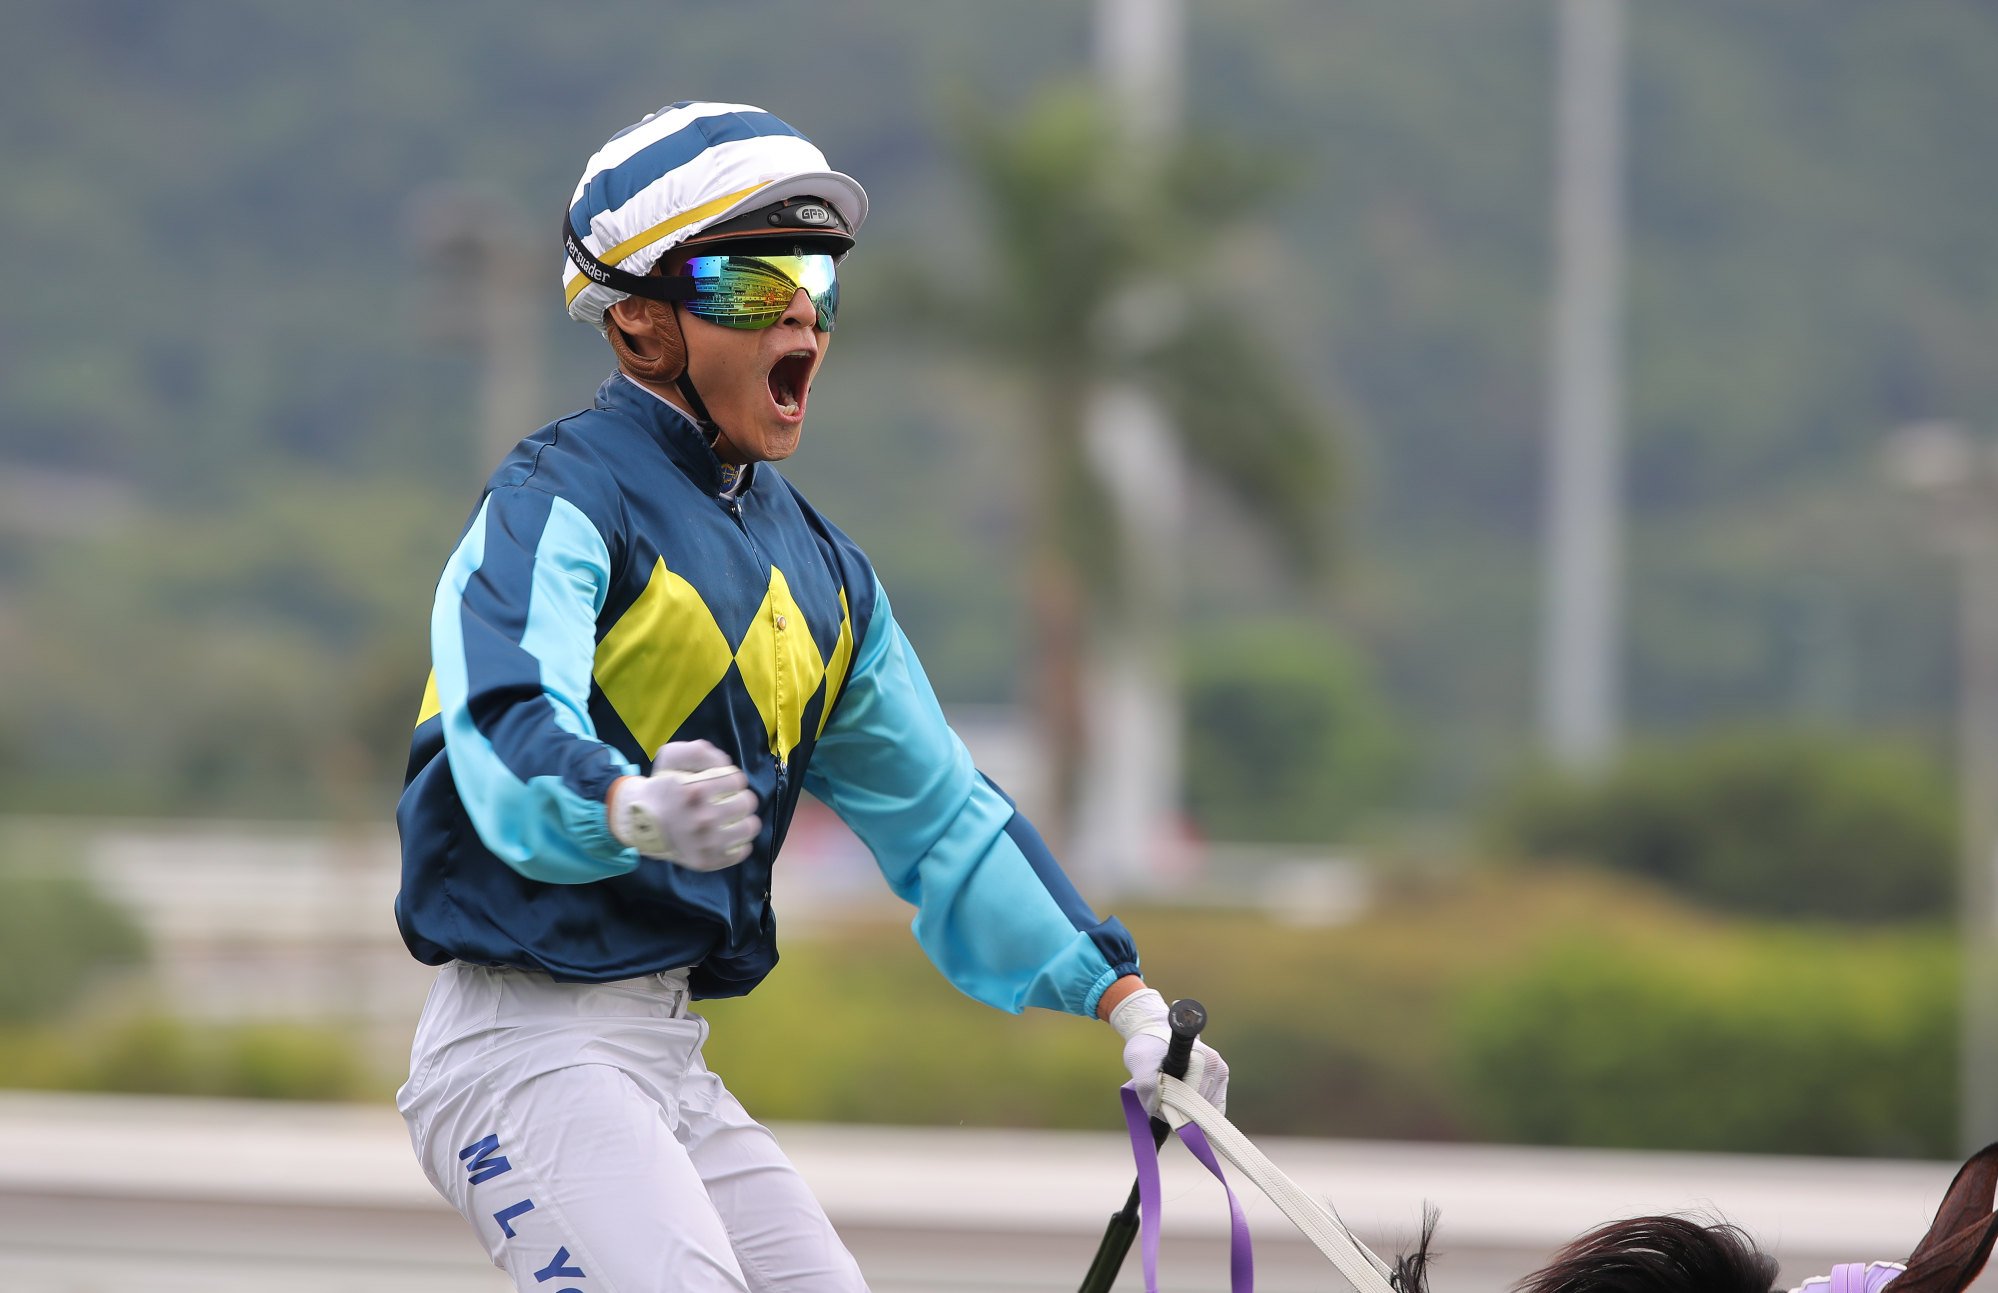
pixel 645 647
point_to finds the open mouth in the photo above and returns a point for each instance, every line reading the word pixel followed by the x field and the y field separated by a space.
pixel 789 378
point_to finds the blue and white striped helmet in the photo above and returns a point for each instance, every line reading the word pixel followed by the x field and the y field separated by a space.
pixel 660 182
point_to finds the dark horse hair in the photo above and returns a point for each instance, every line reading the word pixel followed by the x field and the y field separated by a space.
pixel 1411 1270
pixel 1671 1254
pixel 1638 1255
pixel 1656 1255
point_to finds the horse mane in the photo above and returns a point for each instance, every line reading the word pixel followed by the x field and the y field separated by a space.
pixel 1411 1270
pixel 1661 1254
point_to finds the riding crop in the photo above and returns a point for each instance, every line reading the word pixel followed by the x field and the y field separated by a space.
pixel 1208 1134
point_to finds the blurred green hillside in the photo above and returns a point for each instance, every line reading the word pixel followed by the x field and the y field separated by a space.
pixel 218 302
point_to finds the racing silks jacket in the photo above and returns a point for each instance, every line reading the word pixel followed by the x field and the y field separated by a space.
pixel 608 596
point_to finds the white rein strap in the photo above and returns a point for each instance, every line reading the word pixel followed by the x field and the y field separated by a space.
pixel 1364 1271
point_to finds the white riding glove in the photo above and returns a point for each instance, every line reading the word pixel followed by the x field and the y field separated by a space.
pixel 1140 1019
pixel 696 809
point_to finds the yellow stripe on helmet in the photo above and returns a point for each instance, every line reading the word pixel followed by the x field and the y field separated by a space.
pixel 638 242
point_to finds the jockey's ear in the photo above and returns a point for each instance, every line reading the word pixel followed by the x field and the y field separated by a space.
pixel 1952 1255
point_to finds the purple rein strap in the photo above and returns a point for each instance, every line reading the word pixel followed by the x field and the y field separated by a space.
pixel 1853 1277
pixel 1241 1257
pixel 1141 1211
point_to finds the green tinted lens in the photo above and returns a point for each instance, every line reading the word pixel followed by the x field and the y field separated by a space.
pixel 754 291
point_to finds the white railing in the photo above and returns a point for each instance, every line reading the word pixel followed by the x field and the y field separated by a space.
pixel 145 1195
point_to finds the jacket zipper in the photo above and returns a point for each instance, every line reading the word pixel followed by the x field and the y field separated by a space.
pixel 780 646
pixel 778 627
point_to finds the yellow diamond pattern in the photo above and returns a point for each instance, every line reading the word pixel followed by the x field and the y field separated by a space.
pixel 842 656
pixel 667 653
pixel 781 665
pixel 431 705
pixel 662 658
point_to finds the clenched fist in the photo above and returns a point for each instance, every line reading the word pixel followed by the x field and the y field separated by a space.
pixel 696 809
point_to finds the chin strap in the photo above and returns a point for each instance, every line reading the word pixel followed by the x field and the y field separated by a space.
pixel 669 365
pixel 702 418
pixel 698 406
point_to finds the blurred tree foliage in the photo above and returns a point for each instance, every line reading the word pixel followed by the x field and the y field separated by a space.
pixel 1790 1042
pixel 1546 1007
pixel 1103 267
pixel 231 300
pixel 58 938
pixel 157 1053
pixel 1450 1020
pixel 1778 823
pixel 1287 738
pixel 261 657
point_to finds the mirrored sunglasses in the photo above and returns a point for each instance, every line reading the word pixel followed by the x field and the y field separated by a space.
pixel 752 292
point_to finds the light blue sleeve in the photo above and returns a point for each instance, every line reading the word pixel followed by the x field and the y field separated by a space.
pixel 513 637
pixel 994 912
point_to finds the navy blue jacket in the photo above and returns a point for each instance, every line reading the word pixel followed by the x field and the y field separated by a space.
pixel 608 597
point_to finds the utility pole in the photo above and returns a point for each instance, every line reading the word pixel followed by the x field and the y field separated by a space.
pixel 488 278
pixel 1141 57
pixel 1127 813
pixel 1580 636
pixel 1957 476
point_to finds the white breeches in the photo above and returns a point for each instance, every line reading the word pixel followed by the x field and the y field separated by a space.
pixel 578 1130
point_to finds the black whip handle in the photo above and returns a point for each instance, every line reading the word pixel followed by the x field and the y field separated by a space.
pixel 1186 1018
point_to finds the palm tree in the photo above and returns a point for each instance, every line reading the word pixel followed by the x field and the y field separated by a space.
pixel 1100 272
